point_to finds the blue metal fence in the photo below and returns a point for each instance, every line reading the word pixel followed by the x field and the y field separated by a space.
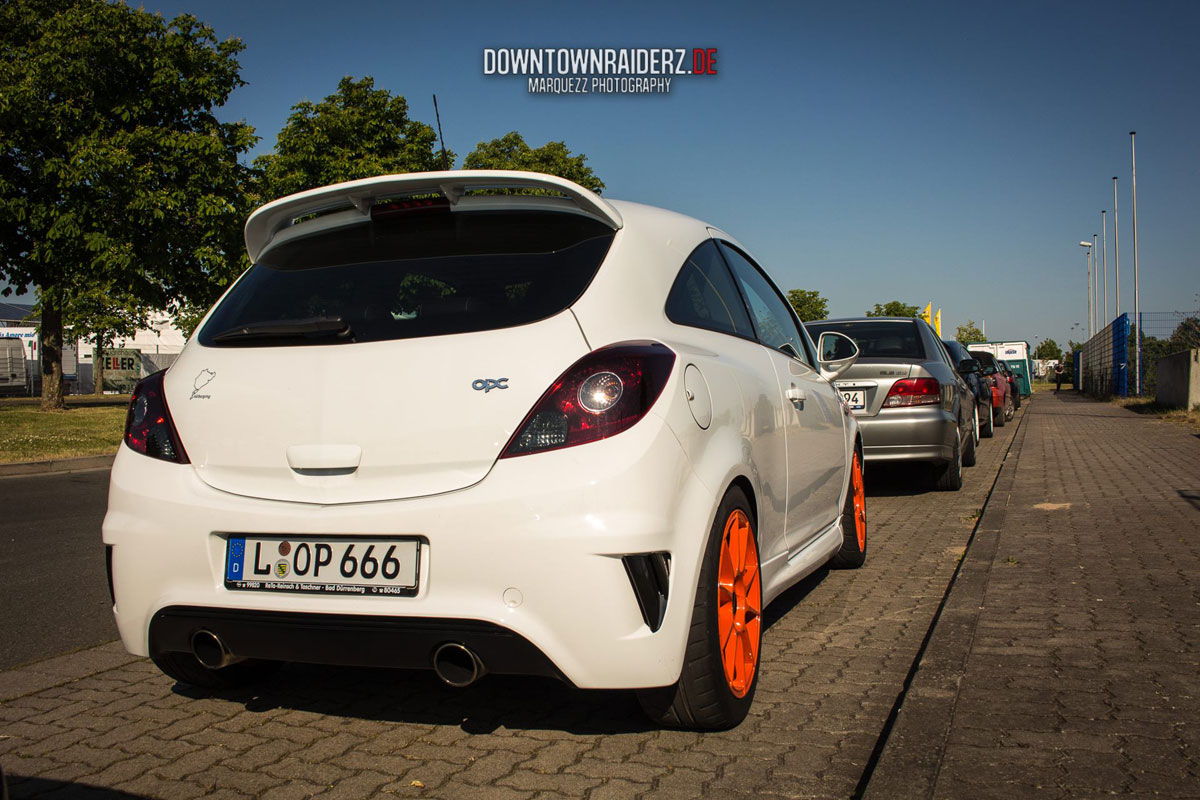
pixel 1109 362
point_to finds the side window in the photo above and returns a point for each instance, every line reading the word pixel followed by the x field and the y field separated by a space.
pixel 704 295
pixel 773 320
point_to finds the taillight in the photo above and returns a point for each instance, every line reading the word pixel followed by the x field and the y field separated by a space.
pixel 148 426
pixel 600 395
pixel 914 392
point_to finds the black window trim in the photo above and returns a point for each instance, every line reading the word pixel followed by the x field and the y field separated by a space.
pixel 811 362
pixel 732 278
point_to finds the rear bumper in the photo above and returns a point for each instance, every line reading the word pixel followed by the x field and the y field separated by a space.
pixel 528 559
pixel 909 434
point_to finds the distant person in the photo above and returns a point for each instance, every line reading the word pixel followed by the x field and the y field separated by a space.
pixel 1058 376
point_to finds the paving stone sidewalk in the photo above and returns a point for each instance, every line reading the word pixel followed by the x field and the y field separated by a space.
pixel 1067 660
pixel 837 650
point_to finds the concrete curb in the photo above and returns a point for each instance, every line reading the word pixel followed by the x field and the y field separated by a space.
pixel 912 756
pixel 56 465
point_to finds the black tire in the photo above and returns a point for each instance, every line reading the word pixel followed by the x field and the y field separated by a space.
pixel 998 419
pixel 186 668
pixel 702 698
pixel 1016 399
pixel 948 477
pixel 986 431
pixel 854 552
pixel 968 458
pixel 1009 411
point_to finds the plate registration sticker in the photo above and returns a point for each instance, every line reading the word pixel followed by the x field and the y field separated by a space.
pixel 329 565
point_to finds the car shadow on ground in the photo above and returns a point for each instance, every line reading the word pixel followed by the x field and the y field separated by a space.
pixel 417 697
pixel 20 787
pixel 493 704
pixel 896 480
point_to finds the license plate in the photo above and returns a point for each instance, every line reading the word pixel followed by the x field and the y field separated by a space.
pixel 362 566
pixel 853 398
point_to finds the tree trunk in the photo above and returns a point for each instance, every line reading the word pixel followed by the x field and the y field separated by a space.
pixel 98 365
pixel 51 336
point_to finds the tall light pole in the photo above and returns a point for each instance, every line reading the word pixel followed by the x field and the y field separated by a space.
pixel 1137 300
pixel 1087 266
pixel 1104 245
pixel 1116 247
pixel 1096 283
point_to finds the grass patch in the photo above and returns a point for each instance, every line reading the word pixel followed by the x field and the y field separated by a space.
pixel 27 434
pixel 1178 416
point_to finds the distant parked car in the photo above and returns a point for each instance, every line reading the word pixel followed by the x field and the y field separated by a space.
pixel 911 403
pixel 972 372
pixel 1003 407
pixel 1013 385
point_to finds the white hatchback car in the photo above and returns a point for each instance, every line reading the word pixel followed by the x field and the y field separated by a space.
pixel 442 423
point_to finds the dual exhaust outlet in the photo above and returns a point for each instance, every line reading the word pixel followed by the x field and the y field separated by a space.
pixel 455 664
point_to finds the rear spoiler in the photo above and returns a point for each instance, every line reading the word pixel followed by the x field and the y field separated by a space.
pixel 267 221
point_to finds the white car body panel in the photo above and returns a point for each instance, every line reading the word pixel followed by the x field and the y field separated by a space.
pixel 352 396
pixel 552 525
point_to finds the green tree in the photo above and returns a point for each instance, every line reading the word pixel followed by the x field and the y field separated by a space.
pixel 1048 350
pixel 1073 345
pixel 894 308
pixel 553 158
pixel 356 132
pixel 969 333
pixel 1186 335
pixel 105 314
pixel 809 304
pixel 115 175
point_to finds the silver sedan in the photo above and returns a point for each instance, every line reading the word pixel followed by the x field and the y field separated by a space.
pixel 909 399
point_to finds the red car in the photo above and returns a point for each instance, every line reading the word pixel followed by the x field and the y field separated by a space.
pixel 1003 390
pixel 1014 388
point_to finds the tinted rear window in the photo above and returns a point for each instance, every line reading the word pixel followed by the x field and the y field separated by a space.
pixel 423 275
pixel 896 339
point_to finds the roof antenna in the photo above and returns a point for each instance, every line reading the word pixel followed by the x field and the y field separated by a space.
pixel 445 159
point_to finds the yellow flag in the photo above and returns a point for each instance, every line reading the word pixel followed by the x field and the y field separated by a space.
pixel 937 322
pixel 926 314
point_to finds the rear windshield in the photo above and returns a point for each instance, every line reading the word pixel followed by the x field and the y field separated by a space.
pixel 986 360
pixel 428 274
pixel 894 339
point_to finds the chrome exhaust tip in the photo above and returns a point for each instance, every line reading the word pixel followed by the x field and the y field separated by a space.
pixel 210 651
pixel 457 665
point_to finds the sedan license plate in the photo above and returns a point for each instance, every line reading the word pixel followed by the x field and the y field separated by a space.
pixel 333 565
pixel 853 398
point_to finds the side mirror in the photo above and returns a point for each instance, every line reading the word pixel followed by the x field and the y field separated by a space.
pixel 969 365
pixel 836 353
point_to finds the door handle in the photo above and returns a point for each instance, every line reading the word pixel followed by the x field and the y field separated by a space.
pixel 796 395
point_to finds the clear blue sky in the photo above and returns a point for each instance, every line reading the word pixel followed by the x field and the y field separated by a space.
pixel 948 152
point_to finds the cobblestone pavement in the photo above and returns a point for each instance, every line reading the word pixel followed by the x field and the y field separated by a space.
pixel 1067 661
pixel 837 653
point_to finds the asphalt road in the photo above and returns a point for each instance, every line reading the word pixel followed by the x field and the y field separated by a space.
pixel 53 589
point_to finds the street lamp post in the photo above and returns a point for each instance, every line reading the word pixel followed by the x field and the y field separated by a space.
pixel 1116 247
pixel 1087 266
pixel 1096 284
pixel 1137 300
pixel 1104 245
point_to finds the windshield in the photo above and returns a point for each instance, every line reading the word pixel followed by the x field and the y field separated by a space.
pixel 422 275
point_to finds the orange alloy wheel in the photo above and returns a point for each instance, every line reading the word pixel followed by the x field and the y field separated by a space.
pixel 860 504
pixel 739 603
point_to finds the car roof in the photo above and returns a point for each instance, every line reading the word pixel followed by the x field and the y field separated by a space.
pixel 863 319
